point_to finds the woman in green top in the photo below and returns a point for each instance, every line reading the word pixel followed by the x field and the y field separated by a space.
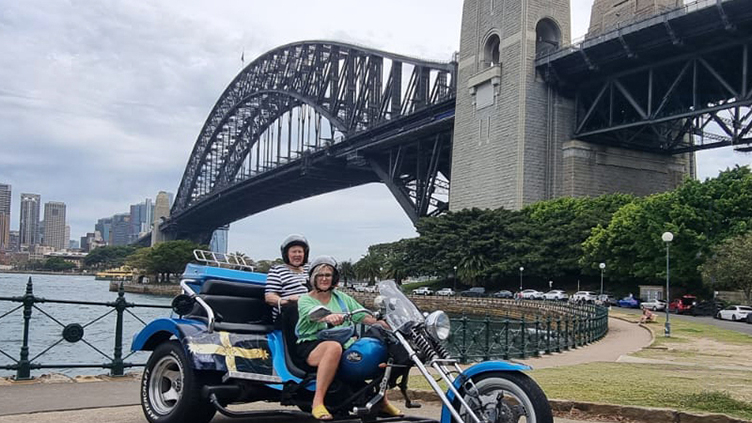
pixel 325 355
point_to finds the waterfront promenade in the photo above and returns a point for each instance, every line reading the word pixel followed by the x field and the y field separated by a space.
pixel 104 399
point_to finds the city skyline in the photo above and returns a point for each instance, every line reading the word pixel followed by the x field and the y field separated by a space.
pixel 122 111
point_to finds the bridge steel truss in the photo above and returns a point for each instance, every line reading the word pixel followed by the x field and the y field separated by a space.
pixel 322 111
pixel 672 83
pixel 670 106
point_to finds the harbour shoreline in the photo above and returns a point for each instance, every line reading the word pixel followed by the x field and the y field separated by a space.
pixel 147 288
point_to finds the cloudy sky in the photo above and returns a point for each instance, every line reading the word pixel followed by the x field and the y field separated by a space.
pixel 101 102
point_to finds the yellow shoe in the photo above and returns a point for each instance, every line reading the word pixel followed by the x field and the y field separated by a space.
pixel 321 413
pixel 389 410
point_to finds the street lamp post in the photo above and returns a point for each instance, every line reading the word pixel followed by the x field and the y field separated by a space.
pixel 603 267
pixel 454 277
pixel 521 269
pixel 667 237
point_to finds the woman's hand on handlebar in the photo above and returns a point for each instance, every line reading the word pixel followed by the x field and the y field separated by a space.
pixel 334 319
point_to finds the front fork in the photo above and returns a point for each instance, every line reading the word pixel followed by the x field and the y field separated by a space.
pixel 446 376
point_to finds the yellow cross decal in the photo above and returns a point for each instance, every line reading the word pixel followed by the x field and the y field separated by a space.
pixel 228 351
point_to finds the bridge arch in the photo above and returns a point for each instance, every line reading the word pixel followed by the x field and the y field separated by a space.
pixel 346 89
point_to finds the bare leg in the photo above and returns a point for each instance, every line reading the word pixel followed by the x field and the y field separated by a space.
pixel 325 357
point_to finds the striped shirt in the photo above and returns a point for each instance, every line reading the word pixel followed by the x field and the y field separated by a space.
pixel 284 282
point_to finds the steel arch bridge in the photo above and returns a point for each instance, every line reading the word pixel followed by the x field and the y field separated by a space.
pixel 313 117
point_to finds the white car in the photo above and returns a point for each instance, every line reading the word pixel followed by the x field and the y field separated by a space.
pixel 530 294
pixel 584 297
pixel 735 312
pixel 654 305
pixel 556 295
pixel 445 292
pixel 423 290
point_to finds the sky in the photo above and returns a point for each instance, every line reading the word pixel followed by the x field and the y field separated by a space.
pixel 101 102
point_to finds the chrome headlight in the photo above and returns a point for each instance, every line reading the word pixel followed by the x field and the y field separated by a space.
pixel 437 324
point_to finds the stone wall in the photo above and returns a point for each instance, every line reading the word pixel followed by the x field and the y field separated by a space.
pixel 591 170
pixel 481 307
pixel 146 288
pixel 606 15
pixel 506 153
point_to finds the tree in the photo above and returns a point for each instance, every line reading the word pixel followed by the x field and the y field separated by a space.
pixel 108 257
pixel 699 214
pixel 346 271
pixel 368 267
pixel 730 266
pixel 57 264
pixel 164 259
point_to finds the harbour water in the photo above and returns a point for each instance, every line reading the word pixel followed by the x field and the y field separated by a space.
pixel 48 320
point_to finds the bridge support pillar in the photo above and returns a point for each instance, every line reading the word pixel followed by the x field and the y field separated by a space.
pixel 509 124
pixel 592 169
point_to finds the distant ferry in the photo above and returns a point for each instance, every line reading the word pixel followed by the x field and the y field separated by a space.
pixel 120 274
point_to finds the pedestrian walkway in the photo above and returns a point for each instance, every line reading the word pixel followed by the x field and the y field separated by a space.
pixel 623 338
pixel 116 399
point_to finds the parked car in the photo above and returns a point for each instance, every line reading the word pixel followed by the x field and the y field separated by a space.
pixel 556 295
pixel 530 294
pixel 735 312
pixel 584 297
pixel 749 318
pixel 476 291
pixel 503 294
pixel 606 299
pixel 423 290
pixel 629 302
pixel 445 292
pixel 654 305
pixel 708 308
pixel 682 305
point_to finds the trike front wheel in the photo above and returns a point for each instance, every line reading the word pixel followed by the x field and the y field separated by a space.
pixel 507 397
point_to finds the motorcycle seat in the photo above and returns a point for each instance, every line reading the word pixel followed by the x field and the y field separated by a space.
pixel 295 365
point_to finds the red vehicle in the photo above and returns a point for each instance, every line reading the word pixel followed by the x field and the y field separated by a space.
pixel 682 305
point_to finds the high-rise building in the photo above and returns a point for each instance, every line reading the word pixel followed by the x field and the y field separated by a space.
pixel 142 217
pixel 161 209
pixel 29 220
pixel 120 230
pixel 67 236
pixel 219 240
pixel 103 227
pixel 4 217
pixel 54 225
pixel 14 241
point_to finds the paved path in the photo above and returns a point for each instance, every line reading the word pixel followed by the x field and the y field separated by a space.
pixel 623 338
pixel 117 400
pixel 133 414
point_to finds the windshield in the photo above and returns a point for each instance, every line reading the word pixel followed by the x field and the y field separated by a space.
pixel 399 310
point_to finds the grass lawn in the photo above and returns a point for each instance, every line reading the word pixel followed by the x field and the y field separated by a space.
pixel 701 368
pixel 679 387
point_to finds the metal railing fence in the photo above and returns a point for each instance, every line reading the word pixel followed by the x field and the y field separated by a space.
pixel 474 338
pixel 71 332
pixel 492 328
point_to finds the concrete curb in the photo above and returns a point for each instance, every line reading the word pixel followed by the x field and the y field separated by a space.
pixel 604 412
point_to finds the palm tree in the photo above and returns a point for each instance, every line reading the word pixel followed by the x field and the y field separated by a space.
pixel 471 267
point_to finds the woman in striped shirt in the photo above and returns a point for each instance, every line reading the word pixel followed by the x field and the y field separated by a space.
pixel 285 283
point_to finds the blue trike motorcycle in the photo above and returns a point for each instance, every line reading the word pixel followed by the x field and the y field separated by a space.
pixel 221 348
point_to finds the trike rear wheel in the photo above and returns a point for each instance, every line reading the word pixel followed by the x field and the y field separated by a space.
pixel 171 389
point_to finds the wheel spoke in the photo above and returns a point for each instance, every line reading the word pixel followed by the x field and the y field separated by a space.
pixel 172 375
pixel 171 395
